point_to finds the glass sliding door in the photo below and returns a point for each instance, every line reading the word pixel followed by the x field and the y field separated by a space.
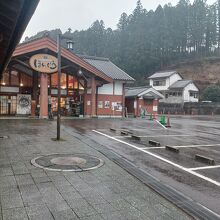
pixel 13 108
pixel 8 105
pixel 4 105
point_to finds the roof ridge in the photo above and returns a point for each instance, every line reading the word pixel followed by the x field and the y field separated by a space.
pixel 184 80
pixel 93 57
pixel 139 87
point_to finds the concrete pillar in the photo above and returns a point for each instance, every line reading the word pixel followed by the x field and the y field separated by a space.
pixel 93 97
pixel 43 95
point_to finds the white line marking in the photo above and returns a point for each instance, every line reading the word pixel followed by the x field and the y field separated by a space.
pixel 171 135
pixel 210 210
pixel 148 148
pixel 199 145
pixel 162 159
pixel 187 146
pixel 122 136
pixel 160 124
pixel 205 168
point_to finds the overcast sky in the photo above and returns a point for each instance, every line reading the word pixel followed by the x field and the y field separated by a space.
pixel 80 14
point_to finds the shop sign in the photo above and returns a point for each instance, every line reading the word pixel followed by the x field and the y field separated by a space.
pixel 44 63
pixel 9 89
pixel 55 92
pixel 23 104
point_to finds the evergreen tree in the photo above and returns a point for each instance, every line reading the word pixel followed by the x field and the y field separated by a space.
pixel 145 41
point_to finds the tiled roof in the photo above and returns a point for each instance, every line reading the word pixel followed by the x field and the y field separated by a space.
pixel 135 91
pixel 145 91
pixel 152 95
pixel 162 74
pixel 180 84
pixel 107 67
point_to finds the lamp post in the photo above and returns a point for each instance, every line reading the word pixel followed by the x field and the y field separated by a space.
pixel 70 46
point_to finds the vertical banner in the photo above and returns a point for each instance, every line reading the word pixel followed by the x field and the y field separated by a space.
pixel 23 104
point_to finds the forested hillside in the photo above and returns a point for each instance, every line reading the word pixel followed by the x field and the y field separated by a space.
pixel 147 41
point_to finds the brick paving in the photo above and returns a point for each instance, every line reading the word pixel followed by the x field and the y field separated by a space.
pixel 106 193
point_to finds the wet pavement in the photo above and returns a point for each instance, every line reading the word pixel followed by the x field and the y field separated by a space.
pixel 192 135
pixel 108 192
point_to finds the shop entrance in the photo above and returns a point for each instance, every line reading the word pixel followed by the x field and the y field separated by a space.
pixel 72 94
pixel 70 106
pixel 8 105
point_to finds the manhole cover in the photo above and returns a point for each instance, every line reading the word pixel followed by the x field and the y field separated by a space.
pixel 3 137
pixel 64 162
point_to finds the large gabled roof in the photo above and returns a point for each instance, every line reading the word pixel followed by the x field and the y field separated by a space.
pixel 145 91
pixel 107 67
pixel 180 84
pixel 47 43
pixel 163 74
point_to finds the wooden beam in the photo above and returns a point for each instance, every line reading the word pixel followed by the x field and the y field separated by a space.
pixel 22 63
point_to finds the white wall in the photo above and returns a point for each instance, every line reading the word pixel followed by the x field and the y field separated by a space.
pixel 174 78
pixel 186 93
pixel 173 99
pixel 106 89
pixel 118 88
pixel 169 81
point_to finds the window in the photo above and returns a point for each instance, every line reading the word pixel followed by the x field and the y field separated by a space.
pixel 26 80
pixel 166 95
pixel 159 83
pixel 14 78
pixel 63 81
pixel 72 82
pixel 5 79
pixel 193 94
pixel 54 80
pixel 81 84
pixel 175 94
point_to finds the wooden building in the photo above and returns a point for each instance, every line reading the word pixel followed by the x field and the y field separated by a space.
pixel 90 86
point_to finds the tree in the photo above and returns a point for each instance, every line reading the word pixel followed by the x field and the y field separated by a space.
pixel 145 41
pixel 211 93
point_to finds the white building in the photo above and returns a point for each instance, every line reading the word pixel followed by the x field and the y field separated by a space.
pixel 174 88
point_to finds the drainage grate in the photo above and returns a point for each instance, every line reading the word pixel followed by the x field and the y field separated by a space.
pixel 67 162
pixel 3 137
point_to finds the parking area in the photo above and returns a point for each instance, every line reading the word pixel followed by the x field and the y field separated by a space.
pixel 143 143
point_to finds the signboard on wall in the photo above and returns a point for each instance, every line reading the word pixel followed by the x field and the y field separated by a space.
pixel 107 104
pixel 155 108
pixel 9 89
pixel 100 104
pixel 44 63
pixel 23 104
pixel 117 106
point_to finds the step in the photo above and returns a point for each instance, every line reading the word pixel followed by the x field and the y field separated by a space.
pixel 154 143
pixel 205 159
pixel 136 137
pixel 173 149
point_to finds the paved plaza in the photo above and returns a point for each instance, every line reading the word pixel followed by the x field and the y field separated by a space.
pixel 108 192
